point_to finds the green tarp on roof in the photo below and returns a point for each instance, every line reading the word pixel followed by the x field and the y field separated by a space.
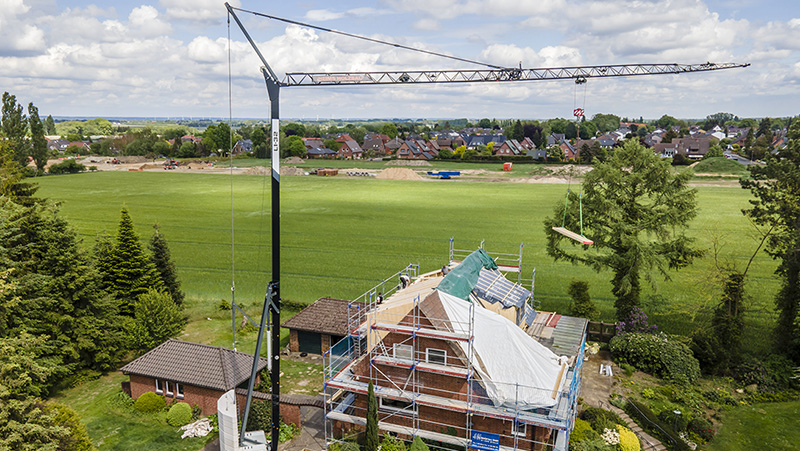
pixel 460 281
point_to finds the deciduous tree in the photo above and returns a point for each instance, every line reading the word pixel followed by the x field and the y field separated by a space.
pixel 635 209
pixel 776 188
pixel 156 318
pixel 38 141
pixel 14 128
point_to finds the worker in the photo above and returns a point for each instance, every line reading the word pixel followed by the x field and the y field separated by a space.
pixel 445 270
pixel 404 281
pixel 380 298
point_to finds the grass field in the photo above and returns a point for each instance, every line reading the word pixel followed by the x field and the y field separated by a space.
pixel 341 236
pixel 760 426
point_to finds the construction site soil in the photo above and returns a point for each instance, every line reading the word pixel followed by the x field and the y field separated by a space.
pixel 559 174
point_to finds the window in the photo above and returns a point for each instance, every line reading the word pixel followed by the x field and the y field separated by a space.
pixel 159 387
pixel 393 404
pixel 168 388
pixel 179 390
pixel 436 356
pixel 519 429
pixel 403 352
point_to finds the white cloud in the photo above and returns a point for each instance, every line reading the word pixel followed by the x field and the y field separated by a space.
pixel 321 15
pixel 197 10
pixel 427 24
pixel 146 22
pixel 16 36
pixel 513 56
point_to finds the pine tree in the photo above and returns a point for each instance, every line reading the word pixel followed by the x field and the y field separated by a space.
pixel 371 438
pixel 160 256
pixel 133 273
pixel 38 142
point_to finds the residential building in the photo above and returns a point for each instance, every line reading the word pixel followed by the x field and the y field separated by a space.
pixel 458 358
pixel 350 150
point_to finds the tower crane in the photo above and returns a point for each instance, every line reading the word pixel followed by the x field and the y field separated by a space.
pixel 497 74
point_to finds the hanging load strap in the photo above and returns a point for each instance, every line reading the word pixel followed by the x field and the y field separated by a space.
pixel 568 233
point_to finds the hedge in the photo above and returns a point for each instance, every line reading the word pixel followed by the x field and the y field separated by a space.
pixel 179 414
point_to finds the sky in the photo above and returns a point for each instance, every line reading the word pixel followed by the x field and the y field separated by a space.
pixel 170 58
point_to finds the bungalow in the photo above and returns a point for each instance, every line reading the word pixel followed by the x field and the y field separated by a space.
pixel 320 152
pixel 195 373
pixel 692 148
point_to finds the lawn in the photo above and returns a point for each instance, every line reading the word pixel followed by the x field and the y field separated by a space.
pixel 341 236
pixel 760 426
pixel 115 427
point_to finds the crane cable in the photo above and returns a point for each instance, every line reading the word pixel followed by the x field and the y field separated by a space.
pixel 364 38
pixel 230 155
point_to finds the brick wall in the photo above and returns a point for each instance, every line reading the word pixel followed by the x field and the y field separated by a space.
pixel 206 398
pixel 294 343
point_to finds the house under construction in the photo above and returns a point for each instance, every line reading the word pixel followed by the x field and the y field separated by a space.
pixel 459 357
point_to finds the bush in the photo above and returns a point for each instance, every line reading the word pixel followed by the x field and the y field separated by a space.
pixel 223 305
pixel 390 443
pixel 596 444
pixel 67 167
pixel 658 354
pixel 702 427
pixel 197 412
pixel 677 421
pixel 78 438
pixel 601 419
pixel 647 419
pixel 772 374
pixel 627 439
pixel 260 416
pixel 418 445
pixel 150 402
pixel 179 414
pixel 581 305
pixel 636 322
pixel 583 431
pixel 122 399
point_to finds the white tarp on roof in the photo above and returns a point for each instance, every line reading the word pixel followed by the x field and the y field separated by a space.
pixel 516 369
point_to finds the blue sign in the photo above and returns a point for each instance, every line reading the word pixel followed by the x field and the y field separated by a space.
pixel 485 441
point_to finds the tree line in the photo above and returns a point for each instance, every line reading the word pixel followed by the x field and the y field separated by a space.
pixel 67 314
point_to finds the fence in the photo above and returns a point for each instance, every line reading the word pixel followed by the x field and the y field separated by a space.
pixel 600 331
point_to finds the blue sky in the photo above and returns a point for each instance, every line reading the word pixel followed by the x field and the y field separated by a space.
pixel 170 57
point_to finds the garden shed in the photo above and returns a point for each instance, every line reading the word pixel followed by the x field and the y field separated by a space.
pixel 319 326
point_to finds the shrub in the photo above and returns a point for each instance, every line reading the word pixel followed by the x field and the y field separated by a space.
pixel 150 402
pixel 596 444
pixel 287 432
pixel 349 446
pixel 583 431
pixel 601 419
pixel 771 374
pixel 636 322
pixel 702 427
pixel 658 354
pixel 197 412
pixel 648 393
pixel 390 443
pixel 418 445
pixel 78 438
pixel 260 416
pixel 67 167
pixel 122 399
pixel 627 439
pixel 677 421
pixel 581 305
pixel 223 305
pixel 179 414
pixel 646 419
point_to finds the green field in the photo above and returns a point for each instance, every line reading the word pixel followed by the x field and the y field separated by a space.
pixel 341 236
pixel 760 426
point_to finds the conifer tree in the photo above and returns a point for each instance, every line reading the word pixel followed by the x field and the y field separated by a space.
pixel 160 256
pixel 133 272
pixel 14 128
pixel 371 438
pixel 50 125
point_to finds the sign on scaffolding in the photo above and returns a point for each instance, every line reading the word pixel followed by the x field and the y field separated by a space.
pixel 485 441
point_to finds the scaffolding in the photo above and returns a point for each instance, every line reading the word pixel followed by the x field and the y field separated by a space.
pixel 422 364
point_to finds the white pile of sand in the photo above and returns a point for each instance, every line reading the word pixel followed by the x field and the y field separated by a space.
pixel 408 163
pixel 399 174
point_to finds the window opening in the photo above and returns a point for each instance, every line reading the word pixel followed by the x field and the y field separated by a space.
pixel 403 352
pixel 159 387
pixel 436 356
pixel 179 390
pixel 168 388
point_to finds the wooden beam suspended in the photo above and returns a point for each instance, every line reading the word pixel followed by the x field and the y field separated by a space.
pixel 570 234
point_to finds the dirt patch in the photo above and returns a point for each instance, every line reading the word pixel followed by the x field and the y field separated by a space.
pixel 151 166
pixel 293 160
pixel 399 174
pixel 596 388
pixel 408 163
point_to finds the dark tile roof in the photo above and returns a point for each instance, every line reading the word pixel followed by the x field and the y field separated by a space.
pixel 195 364
pixel 326 315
